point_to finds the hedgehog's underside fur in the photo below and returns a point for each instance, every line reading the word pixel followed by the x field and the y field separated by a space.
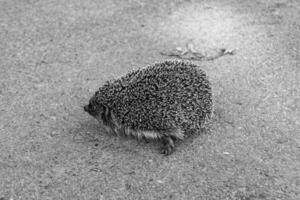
pixel 165 101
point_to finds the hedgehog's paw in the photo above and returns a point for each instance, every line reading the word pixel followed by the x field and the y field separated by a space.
pixel 168 145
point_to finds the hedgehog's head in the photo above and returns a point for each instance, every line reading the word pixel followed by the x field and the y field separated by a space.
pixel 96 109
pixel 93 107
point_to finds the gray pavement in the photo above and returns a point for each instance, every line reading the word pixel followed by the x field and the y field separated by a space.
pixel 55 53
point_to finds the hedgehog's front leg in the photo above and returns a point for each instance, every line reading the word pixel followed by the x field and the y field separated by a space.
pixel 168 145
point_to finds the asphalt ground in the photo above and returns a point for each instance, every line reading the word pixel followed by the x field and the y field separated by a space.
pixel 55 53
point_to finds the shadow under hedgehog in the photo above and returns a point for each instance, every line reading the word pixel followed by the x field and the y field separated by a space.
pixel 165 102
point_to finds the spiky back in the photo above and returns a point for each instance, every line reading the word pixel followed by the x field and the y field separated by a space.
pixel 160 97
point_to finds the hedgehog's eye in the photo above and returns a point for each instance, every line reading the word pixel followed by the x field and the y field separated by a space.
pixel 90 105
pixel 93 107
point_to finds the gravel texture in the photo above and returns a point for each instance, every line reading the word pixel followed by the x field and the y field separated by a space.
pixel 55 53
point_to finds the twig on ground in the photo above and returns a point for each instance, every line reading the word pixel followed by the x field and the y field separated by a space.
pixel 189 53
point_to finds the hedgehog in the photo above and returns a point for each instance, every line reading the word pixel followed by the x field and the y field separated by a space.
pixel 165 102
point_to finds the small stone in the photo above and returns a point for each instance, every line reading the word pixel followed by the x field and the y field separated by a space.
pixel 160 181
